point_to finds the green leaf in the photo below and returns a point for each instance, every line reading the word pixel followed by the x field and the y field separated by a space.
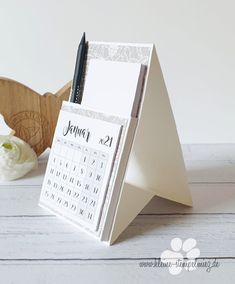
pixel 7 146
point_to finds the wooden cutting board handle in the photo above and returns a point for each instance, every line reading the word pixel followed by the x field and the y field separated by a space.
pixel 31 115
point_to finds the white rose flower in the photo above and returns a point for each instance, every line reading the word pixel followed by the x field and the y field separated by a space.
pixel 17 158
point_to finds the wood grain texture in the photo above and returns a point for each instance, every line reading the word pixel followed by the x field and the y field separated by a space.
pixel 109 271
pixel 36 247
pixel 47 237
pixel 31 115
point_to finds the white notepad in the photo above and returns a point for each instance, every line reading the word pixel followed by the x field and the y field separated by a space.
pixel 114 87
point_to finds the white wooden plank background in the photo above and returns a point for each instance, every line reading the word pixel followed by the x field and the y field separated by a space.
pixel 36 247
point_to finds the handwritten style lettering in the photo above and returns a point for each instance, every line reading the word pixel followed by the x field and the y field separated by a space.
pixel 76 131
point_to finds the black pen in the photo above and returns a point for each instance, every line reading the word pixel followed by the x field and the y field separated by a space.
pixel 75 96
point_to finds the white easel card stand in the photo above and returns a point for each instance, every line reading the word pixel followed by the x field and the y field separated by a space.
pixel 107 163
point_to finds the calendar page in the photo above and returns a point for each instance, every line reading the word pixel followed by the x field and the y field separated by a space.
pixel 79 167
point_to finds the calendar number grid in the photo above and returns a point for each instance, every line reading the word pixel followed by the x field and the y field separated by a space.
pixel 74 179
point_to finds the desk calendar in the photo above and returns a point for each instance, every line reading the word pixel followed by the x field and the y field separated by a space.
pixel 110 157
pixel 80 165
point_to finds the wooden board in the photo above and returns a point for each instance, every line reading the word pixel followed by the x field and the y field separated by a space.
pixel 31 115
pixel 36 247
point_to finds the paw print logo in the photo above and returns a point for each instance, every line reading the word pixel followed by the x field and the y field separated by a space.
pixel 182 255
